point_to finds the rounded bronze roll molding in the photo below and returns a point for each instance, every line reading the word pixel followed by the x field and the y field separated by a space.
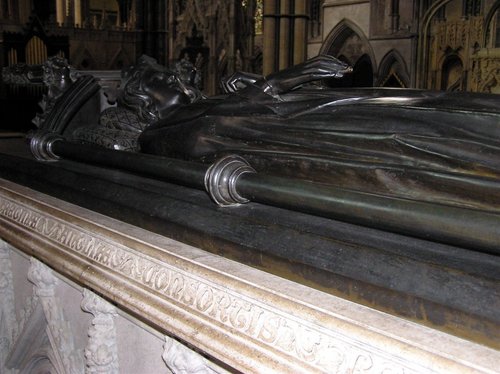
pixel 41 146
pixel 221 180
pixel 232 181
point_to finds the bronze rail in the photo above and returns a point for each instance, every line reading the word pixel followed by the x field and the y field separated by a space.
pixel 232 181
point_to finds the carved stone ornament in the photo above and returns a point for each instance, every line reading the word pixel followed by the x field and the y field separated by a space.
pixel 182 360
pixel 43 342
pixel 8 322
pixel 58 328
pixel 486 72
pixel 101 353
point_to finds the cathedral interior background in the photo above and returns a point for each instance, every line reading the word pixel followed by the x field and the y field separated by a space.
pixel 429 44
pixel 370 238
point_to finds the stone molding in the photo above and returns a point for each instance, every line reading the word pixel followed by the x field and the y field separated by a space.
pixel 250 320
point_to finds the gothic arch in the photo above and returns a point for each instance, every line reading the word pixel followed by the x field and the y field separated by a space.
pixel 452 73
pixel 488 22
pixel 348 41
pixel 340 34
pixel 42 363
pixel 363 73
pixel 315 11
pixel 393 71
pixel 423 42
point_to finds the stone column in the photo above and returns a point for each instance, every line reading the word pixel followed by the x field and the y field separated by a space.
pixel 211 83
pixel 394 14
pixel 78 13
pixel 118 22
pixel 299 32
pixel 284 35
pixel 162 32
pixel 60 12
pixel 132 17
pixel 231 50
pixel 70 13
pixel 269 33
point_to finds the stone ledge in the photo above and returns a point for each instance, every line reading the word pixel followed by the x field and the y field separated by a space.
pixel 250 320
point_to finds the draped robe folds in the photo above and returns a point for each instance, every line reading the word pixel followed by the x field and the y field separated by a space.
pixel 437 147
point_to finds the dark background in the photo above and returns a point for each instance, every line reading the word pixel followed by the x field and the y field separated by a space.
pixel 18 106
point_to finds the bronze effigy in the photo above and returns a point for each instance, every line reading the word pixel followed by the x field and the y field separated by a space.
pixel 416 162
pixel 407 180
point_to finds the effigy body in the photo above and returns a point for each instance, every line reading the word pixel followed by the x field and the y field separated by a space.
pixel 431 146
pixel 370 156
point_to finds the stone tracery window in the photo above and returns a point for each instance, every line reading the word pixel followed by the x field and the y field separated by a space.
pixel 314 18
pixel 394 15
pixel 472 7
pixel 492 25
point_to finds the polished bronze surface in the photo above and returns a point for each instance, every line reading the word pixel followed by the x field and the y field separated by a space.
pixel 415 162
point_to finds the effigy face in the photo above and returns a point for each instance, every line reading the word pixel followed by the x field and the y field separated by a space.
pixel 151 90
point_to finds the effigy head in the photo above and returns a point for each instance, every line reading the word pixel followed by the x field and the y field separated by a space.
pixel 57 73
pixel 152 91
